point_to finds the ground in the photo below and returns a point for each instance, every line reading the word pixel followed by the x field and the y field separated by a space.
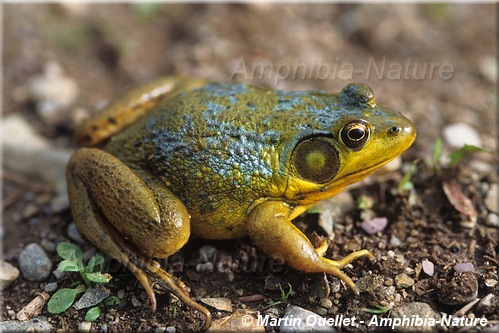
pixel 434 62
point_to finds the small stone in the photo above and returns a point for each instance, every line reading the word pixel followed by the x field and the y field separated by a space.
pixel 34 263
pixel 403 281
pixel 461 289
pixel 171 329
pixel 394 241
pixel 53 91
pixel 219 303
pixel 207 253
pixel 74 234
pixel 135 302
pixel 459 134
pixel 428 267
pixel 91 297
pixel 236 322
pixel 8 274
pixel 492 220
pixel 492 198
pixel 120 294
pixel 333 208
pixel 320 288
pixel 21 143
pixel 374 225
pixel 464 267
pixel 50 287
pixel 160 329
pixel 84 327
pixel 297 319
pixel 326 303
pixel 413 310
pixel 491 283
pixel 485 303
pixel 38 324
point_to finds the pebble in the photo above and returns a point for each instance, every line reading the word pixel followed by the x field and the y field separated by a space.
pixel 297 319
pixel 492 198
pixel 50 287
pixel 38 324
pixel 22 144
pixel 415 309
pixel 207 253
pixel 74 234
pixel 428 267
pixel 171 329
pixel 374 225
pixel 464 267
pixel 135 302
pixel 8 274
pixel 91 297
pixel 491 283
pixel 53 91
pixel 485 303
pixel 492 220
pixel 320 288
pixel 84 327
pixel 34 263
pixel 237 322
pixel 458 134
pixel 334 208
pixel 461 289
pixel 403 281
pixel 219 303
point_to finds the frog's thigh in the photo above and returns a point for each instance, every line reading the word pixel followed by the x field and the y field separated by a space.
pixel 154 220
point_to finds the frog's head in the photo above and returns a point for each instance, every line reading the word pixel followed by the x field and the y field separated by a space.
pixel 361 137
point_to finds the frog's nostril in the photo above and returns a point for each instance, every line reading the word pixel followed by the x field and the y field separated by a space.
pixel 394 130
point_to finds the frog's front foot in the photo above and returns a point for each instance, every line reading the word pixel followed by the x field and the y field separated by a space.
pixel 270 228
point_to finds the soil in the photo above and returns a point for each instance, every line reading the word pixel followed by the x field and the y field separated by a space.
pixel 107 48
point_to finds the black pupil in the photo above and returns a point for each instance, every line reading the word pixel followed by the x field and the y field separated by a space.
pixel 356 134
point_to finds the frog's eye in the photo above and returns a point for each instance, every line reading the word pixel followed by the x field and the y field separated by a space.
pixel 316 160
pixel 355 134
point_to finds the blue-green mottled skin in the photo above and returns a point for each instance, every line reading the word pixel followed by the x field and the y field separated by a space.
pixel 231 143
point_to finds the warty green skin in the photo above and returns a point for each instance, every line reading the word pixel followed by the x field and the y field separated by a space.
pixel 224 147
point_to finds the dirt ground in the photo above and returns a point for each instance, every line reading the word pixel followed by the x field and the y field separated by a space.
pixel 435 63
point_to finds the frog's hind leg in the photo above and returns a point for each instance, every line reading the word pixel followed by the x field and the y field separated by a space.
pixel 130 219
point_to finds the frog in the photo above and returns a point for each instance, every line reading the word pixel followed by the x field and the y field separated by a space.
pixel 181 157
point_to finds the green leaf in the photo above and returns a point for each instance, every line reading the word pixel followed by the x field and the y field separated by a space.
pixel 437 154
pixel 406 184
pixel 69 266
pixel 457 155
pixel 112 300
pixel 92 314
pixel 69 251
pixel 99 277
pixel 63 299
pixel 96 261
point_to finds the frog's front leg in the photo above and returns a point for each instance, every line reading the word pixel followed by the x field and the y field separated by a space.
pixel 129 218
pixel 270 229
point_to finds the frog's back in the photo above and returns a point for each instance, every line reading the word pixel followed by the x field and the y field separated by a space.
pixel 224 146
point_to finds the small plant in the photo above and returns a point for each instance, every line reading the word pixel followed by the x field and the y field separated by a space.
pixel 406 183
pixel 284 296
pixel 90 274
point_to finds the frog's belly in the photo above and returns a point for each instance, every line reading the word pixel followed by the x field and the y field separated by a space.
pixel 213 227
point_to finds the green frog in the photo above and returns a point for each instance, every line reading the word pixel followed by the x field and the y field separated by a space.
pixel 221 161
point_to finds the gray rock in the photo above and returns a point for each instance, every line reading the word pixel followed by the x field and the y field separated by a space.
pixel 74 234
pixel 297 319
pixel 26 151
pixel 91 297
pixel 34 263
pixel 492 198
pixel 413 310
pixel 39 325
pixel 50 287
pixel 8 274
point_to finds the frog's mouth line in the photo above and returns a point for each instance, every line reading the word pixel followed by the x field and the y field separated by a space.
pixel 338 186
